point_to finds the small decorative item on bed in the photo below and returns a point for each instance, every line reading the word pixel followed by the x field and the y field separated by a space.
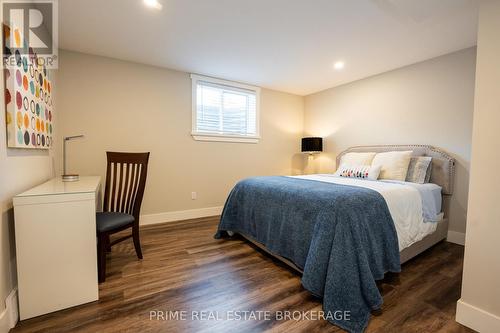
pixel 359 171
pixel 345 233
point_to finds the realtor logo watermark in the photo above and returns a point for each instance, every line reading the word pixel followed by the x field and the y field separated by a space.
pixel 30 29
pixel 244 315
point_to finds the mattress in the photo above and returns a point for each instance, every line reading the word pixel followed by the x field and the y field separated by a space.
pixel 415 208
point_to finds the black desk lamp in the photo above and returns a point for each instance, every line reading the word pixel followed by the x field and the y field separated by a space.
pixel 68 177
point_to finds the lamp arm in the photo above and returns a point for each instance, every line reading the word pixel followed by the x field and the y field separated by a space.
pixel 67 138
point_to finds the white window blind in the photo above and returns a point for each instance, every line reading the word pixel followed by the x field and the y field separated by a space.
pixel 223 109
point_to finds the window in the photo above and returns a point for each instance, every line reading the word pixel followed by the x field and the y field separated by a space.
pixel 224 110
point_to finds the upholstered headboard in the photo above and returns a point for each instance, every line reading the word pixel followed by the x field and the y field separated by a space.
pixel 443 165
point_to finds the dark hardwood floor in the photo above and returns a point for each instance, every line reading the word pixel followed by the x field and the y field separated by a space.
pixel 185 269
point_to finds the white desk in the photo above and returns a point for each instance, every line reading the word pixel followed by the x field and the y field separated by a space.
pixel 56 245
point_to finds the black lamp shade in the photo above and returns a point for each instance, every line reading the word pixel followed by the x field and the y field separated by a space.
pixel 312 145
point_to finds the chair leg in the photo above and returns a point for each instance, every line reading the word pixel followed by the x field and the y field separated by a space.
pixel 108 244
pixel 101 258
pixel 137 242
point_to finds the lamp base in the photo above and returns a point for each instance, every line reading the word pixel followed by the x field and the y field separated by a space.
pixel 70 178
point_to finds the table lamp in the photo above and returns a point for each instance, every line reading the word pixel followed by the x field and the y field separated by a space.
pixel 68 177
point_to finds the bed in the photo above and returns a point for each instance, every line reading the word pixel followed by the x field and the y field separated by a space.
pixel 344 234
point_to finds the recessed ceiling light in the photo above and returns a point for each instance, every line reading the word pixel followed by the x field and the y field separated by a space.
pixel 339 65
pixel 153 4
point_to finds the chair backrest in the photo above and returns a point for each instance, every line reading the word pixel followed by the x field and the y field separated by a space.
pixel 125 182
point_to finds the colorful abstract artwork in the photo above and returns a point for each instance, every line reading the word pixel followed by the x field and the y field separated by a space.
pixel 28 98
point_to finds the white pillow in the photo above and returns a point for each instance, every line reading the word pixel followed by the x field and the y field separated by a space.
pixel 358 171
pixel 394 164
pixel 357 158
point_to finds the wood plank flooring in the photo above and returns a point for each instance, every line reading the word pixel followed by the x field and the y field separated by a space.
pixel 185 269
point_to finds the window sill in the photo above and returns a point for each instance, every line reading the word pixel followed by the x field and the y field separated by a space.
pixel 225 138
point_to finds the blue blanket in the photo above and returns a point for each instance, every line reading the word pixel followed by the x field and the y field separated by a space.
pixel 342 237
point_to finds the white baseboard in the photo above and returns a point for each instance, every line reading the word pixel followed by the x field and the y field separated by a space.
pixel 180 215
pixel 476 318
pixel 456 237
pixel 9 316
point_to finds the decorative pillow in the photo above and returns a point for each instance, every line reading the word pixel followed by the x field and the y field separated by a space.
pixel 357 158
pixel 358 171
pixel 428 174
pixel 418 169
pixel 394 164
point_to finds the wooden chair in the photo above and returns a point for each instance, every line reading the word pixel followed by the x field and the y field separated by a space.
pixel 125 182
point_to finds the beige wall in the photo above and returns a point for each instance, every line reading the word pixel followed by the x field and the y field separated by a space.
pixel 20 169
pixel 480 301
pixel 122 106
pixel 426 103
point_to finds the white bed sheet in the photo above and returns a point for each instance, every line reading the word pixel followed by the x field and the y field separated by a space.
pixel 431 199
pixel 404 200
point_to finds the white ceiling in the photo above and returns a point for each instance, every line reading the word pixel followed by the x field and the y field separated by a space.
pixel 288 45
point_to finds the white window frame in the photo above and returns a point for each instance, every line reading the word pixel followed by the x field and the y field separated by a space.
pixel 207 136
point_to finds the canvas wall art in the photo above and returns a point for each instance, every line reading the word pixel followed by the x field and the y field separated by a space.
pixel 28 98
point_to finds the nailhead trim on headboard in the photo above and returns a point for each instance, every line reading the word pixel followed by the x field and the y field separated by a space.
pixel 444 177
